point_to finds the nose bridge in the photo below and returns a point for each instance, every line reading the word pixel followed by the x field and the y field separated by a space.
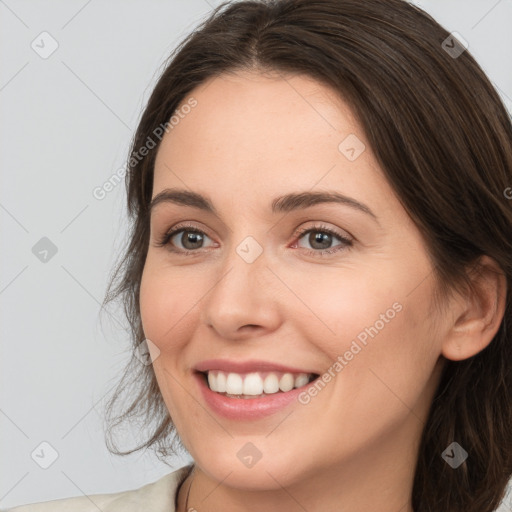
pixel 242 293
pixel 244 272
pixel 248 254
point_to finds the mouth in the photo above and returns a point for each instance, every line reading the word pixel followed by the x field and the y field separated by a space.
pixel 252 385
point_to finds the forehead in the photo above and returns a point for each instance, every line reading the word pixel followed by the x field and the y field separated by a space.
pixel 258 134
pixel 293 107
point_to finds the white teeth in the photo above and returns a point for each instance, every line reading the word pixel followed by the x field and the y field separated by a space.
pixel 287 381
pixel 271 383
pixel 234 384
pixel 255 384
pixel 221 382
pixel 300 381
pixel 212 380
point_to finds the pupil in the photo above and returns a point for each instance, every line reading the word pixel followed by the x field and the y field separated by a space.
pixel 194 238
pixel 320 237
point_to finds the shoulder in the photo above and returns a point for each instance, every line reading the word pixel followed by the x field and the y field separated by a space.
pixel 159 495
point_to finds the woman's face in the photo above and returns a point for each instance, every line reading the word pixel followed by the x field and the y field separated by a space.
pixel 347 301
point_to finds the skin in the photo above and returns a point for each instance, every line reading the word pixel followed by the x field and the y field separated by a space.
pixel 252 137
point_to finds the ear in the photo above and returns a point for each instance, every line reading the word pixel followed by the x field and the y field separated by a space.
pixel 479 314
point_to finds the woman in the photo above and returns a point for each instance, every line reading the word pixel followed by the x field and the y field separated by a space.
pixel 319 267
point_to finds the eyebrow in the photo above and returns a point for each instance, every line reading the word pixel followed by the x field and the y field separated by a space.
pixel 281 204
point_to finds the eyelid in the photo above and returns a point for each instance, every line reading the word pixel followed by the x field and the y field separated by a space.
pixel 185 225
pixel 320 226
pixel 347 240
pixel 342 235
pixel 165 237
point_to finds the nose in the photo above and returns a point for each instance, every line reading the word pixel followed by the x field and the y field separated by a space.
pixel 243 301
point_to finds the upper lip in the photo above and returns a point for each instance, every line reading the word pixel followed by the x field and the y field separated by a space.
pixel 253 365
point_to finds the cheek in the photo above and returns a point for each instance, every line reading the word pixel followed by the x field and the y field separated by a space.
pixel 372 319
pixel 342 305
pixel 166 305
pixel 167 315
pixel 391 373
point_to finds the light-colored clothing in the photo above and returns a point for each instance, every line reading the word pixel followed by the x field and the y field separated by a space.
pixel 158 496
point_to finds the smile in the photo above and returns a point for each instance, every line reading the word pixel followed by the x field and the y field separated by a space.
pixel 255 384
pixel 238 405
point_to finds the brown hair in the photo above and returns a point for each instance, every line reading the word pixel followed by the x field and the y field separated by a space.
pixel 442 136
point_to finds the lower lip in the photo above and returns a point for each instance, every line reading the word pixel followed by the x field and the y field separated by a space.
pixel 246 408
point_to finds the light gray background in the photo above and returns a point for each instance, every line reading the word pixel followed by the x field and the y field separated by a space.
pixel 66 124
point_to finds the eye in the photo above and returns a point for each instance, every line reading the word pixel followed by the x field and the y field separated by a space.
pixel 191 238
pixel 188 236
pixel 321 237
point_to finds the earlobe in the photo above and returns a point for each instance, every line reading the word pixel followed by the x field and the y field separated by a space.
pixel 478 320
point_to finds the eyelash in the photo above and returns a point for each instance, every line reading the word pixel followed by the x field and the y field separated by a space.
pixel 165 239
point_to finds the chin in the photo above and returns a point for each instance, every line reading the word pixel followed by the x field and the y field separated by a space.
pixel 270 472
